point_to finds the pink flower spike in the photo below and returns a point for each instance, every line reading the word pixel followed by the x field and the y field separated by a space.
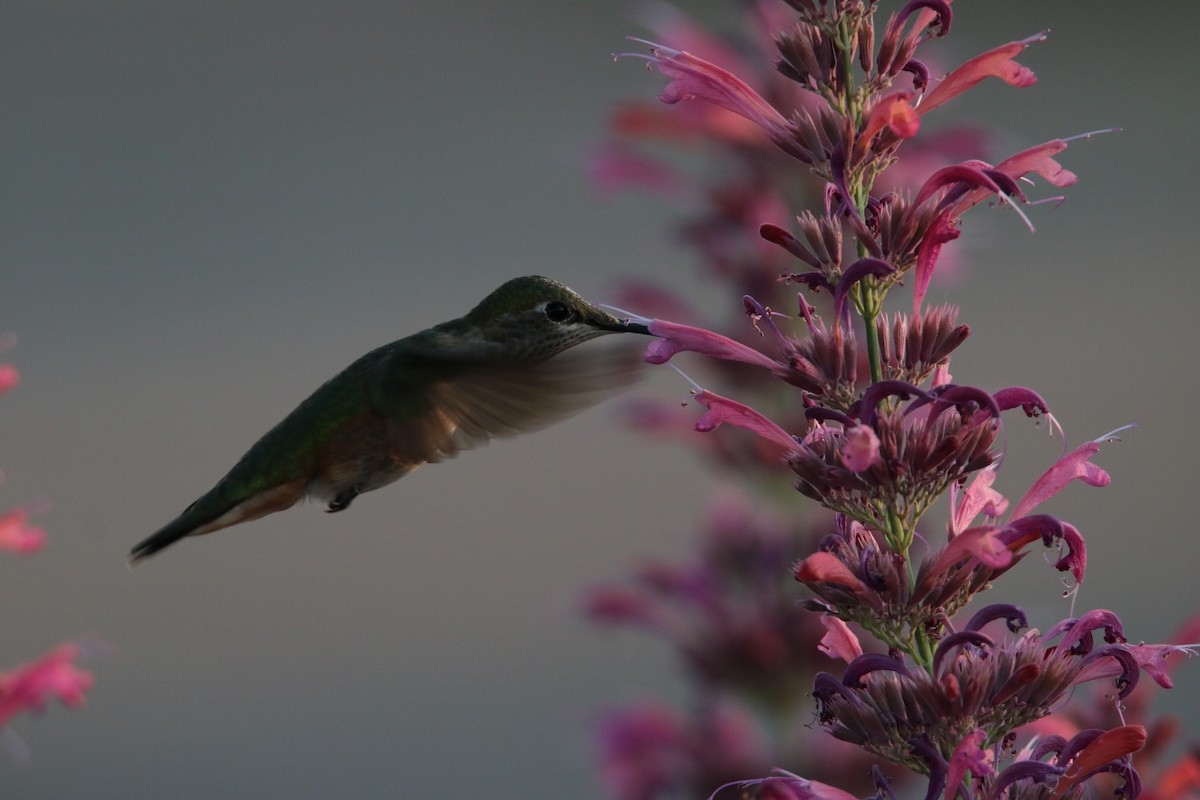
pixel 694 78
pixel 861 450
pixel 675 338
pixel 722 409
pixel 18 537
pixel 30 686
pixel 9 377
pixel 996 63
pixel 1074 465
pixel 839 641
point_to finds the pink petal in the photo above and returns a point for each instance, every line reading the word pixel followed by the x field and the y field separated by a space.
pixel 839 641
pixel 1152 658
pixel 1038 160
pixel 994 63
pixel 941 231
pixel 861 450
pixel 826 568
pixel 18 537
pixel 894 112
pixel 981 543
pixel 970 756
pixel 980 498
pixel 722 409
pixel 1075 465
pixel 1108 746
pixel 9 377
pixel 694 78
pixel 675 338
pixel 30 686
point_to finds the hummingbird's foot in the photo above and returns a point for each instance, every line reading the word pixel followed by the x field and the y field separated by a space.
pixel 342 500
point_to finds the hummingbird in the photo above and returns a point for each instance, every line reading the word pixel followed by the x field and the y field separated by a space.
pixel 501 370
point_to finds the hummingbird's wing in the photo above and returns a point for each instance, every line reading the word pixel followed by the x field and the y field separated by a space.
pixel 480 401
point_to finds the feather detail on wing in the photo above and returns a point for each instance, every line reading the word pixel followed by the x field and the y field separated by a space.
pixel 494 400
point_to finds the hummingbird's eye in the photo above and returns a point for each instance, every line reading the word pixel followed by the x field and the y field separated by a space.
pixel 557 311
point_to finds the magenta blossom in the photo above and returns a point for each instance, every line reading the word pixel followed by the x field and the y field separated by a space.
pixel 17 536
pixel 694 78
pixel 30 686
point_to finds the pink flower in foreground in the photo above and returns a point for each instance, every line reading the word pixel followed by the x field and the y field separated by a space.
pixel 722 409
pixel 31 686
pixel 839 641
pixel 675 338
pixel 19 537
pixel 996 63
pixel 1075 465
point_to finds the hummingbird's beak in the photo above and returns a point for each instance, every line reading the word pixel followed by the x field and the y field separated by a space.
pixel 629 326
pixel 608 322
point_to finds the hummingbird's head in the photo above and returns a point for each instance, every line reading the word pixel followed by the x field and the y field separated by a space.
pixel 535 318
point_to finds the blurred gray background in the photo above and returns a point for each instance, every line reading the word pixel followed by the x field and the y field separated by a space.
pixel 210 208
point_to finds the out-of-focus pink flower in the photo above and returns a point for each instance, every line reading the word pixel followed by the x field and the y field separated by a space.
pixel 839 641
pixel 17 536
pixel 970 756
pixel 30 686
pixel 861 450
pixel 994 63
pixel 9 377
pixel 616 168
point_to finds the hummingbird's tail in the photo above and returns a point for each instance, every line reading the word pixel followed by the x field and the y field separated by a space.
pixel 215 511
pixel 172 532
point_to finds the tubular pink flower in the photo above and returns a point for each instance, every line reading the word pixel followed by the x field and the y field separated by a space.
pixel 18 537
pixel 30 686
pixel 694 78
pixel 1108 746
pixel 1075 465
pixel 722 409
pixel 827 568
pixel 970 756
pixel 980 498
pixel 1039 159
pixel 839 641
pixel 981 543
pixel 894 112
pixel 996 63
pixel 675 338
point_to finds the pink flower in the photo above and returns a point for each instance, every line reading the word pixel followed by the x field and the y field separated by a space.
pixel 722 409
pixel 30 686
pixel 1075 465
pixel 996 63
pixel 9 377
pixel 861 450
pixel 675 338
pixel 969 755
pixel 17 536
pixel 694 78
pixel 894 112
pixel 839 641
